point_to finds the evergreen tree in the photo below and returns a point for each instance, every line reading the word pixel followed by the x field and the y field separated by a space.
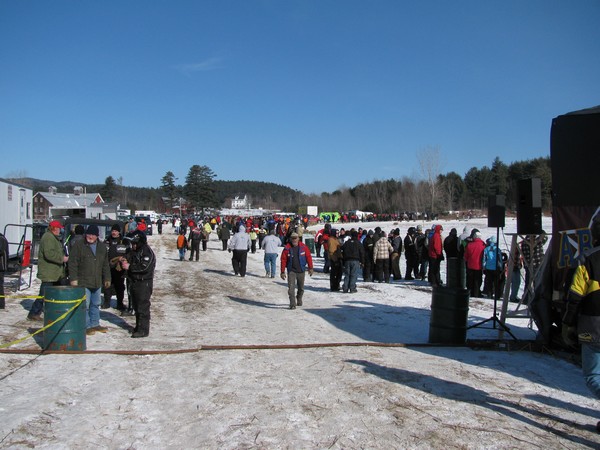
pixel 109 190
pixel 199 187
pixel 169 187
pixel 499 177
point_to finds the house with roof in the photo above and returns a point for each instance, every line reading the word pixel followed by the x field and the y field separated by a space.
pixel 240 203
pixel 53 204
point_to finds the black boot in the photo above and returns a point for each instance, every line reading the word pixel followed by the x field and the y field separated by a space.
pixel 139 334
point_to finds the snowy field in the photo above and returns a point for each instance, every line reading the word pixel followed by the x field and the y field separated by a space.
pixel 228 366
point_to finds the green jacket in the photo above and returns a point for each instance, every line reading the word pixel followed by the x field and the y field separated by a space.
pixel 89 270
pixel 50 258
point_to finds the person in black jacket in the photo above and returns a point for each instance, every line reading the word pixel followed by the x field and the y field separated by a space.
pixel 451 244
pixel 117 248
pixel 368 244
pixel 353 255
pixel 411 254
pixel 140 264
pixel 395 257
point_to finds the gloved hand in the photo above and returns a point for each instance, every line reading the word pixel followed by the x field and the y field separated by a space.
pixel 106 284
pixel 282 275
pixel 569 335
pixel 229 250
pixel 74 283
pixel 310 272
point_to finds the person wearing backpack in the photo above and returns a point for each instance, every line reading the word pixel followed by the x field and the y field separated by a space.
pixel 491 267
pixel 181 244
pixel 194 240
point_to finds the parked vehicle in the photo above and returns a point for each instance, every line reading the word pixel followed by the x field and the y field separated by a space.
pixel 104 226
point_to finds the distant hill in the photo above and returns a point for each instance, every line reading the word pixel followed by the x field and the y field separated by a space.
pixel 261 194
pixel 43 185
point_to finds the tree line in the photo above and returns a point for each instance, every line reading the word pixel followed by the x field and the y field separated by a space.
pixel 432 192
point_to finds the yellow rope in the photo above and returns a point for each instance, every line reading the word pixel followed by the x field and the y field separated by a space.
pixel 45 327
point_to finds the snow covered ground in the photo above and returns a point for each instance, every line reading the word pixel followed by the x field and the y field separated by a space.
pixel 228 365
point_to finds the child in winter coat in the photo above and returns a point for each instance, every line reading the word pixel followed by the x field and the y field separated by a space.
pixel 182 244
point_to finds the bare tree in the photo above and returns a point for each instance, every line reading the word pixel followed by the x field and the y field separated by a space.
pixel 430 163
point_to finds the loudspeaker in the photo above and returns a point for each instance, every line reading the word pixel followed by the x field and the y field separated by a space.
pixel 496 211
pixel 529 206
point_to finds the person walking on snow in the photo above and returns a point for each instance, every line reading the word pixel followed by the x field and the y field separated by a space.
pixel 270 245
pixel 240 245
pixel 295 258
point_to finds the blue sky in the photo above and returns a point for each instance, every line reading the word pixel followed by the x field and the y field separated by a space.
pixel 314 95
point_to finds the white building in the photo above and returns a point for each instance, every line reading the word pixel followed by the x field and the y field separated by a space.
pixel 240 203
pixel 16 216
pixel 53 204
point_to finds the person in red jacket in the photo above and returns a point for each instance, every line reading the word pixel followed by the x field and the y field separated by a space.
pixel 295 259
pixel 474 262
pixel 435 256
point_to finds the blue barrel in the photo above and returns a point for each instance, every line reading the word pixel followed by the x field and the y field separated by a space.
pixel 68 334
pixel 449 314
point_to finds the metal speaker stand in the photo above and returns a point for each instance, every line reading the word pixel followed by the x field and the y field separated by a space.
pixel 496 322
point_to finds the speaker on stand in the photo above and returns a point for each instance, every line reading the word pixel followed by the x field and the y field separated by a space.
pixel 496 219
pixel 529 206
pixel 496 211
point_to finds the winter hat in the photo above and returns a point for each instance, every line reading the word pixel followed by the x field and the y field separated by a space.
pixel 491 239
pixel 92 230
pixel 419 228
pixel 477 235
pixel 116 227
pixel 79 229
pixel 370 232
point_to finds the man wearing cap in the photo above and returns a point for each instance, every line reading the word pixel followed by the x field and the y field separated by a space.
pixel 294 259
pixel 89 268
pixel 51 266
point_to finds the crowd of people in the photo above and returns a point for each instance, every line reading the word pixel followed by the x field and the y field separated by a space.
pixel 374 254
pixel 120 264
pixel 124 263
